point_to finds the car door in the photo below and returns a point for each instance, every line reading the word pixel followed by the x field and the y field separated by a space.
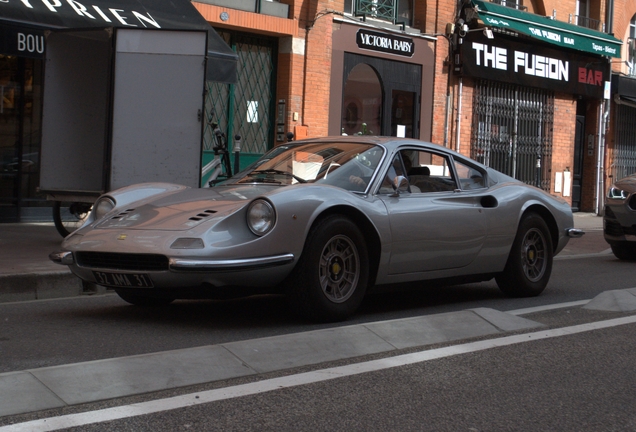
pixel 435 225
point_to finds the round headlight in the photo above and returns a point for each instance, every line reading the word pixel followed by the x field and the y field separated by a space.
pixel 260 217
pixel 103 206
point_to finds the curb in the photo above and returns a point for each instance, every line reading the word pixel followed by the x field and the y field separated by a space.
pixel 39 286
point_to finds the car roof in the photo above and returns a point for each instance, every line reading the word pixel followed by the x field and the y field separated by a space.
pixel 390 143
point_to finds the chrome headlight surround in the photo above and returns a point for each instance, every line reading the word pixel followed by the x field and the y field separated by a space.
pixel 102 206
pixel 616 193
pixel 261 216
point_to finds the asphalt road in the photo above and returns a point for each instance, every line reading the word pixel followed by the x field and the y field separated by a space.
pixel 55 332
pixel 581 382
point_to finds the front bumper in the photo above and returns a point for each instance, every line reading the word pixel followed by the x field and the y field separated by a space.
pixel 267 271
pixel 619 223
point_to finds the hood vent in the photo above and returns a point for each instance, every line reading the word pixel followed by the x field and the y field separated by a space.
pixel 202 215
pixel 123 214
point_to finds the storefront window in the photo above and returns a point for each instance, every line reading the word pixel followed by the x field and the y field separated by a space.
pixel 362 102
pixel 20 104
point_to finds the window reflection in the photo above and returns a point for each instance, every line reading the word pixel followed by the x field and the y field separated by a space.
pixel 362 102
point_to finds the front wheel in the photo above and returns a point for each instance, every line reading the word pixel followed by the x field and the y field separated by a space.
pixel 625 251
pixel 331 277
pixel 529 265
pixel 69 216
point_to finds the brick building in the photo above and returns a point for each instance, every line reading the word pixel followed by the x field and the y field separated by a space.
pixel 527 96
pixel 531 101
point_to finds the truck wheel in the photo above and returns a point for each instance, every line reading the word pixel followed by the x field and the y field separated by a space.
pixel 68 221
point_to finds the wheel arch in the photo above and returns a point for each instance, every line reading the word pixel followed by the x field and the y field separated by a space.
pixel 549 220
pixel 369 232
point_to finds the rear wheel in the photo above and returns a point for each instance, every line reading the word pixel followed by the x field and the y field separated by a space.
pixel 330 279
pixel 529 265
pixel 143 300
pixel 625 251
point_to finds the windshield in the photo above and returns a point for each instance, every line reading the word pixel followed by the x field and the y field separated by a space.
pixel 347 165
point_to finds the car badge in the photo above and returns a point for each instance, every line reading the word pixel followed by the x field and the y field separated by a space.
pixel 121 237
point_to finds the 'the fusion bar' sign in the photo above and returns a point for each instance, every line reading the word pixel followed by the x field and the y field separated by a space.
pixel 384 42
pixel 516 62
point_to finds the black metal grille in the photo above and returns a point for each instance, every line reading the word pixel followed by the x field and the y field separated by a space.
pixel 246 108
pixel 512 131
pixel 624 153
pixel 121 261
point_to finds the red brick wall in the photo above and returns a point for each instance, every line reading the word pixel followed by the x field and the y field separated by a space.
pixel 563 138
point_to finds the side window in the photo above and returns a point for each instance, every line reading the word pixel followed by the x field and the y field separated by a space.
pixel 428 172
pixel 469 177
pixel 395 169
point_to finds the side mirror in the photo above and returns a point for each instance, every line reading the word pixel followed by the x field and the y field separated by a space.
pixel 400 184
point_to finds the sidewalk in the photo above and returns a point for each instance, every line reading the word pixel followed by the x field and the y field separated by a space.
pixel 27 274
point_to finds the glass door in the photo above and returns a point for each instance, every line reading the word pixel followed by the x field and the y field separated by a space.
pixel 381 97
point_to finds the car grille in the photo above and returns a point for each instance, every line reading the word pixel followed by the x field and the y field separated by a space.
pixel 121 261
pixel 613 229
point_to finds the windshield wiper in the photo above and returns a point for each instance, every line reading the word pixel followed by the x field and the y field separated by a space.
pixel 285 173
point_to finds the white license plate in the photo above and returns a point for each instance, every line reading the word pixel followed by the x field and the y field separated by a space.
pixel 128 280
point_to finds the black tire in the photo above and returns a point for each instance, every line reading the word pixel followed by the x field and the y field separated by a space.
pixel 143 300
pixel 331 277
pixel 66 223
pixel 529 265
pixel 625 251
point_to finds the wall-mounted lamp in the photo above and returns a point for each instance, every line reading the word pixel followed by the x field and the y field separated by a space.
pixel 463 30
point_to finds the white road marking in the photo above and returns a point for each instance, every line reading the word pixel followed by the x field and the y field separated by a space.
pixel 547 307
pixel 192 399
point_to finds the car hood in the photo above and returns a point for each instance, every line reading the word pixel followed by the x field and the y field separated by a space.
pixel 627 183
pixel 185 209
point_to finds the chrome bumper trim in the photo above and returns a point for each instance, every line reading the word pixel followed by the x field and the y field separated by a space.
pixel 62 258
pixel 574 232
pixel 184 265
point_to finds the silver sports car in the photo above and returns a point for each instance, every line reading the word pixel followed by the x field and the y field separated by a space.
pixel 619 218
pixel 322 221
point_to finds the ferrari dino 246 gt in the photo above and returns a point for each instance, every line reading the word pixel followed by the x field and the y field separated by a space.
pixel 322 221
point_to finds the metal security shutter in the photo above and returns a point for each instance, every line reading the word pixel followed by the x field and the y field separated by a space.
pixel 246 108
pixel 512 131
pixel 624 153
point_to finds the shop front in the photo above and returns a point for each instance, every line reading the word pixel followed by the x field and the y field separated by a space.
pixel 534 92
pixel 381 83
pixel 99 96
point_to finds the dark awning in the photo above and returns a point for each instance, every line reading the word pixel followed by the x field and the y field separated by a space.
pixel 149 14
pixel 624 86
pixel 548 30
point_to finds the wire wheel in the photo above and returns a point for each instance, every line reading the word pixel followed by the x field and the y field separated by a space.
pixel 339 269
pixel 533 255
pixel 329 281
